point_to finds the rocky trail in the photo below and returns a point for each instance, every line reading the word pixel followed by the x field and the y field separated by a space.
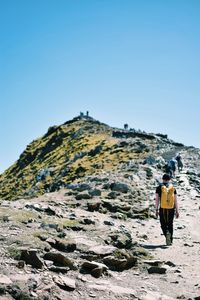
pixel 90 241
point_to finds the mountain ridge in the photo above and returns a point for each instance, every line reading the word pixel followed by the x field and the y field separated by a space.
pixel 79 147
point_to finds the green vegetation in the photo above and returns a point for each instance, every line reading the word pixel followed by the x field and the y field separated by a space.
pixel 14 252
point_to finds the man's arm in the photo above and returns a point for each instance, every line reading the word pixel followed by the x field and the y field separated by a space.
pixel 157 204
pixel 176 205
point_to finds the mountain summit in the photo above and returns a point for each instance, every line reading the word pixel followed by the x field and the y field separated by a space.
pixel 82 222
pixel 80 147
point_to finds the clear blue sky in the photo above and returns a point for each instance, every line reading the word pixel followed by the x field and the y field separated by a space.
pixel 125 61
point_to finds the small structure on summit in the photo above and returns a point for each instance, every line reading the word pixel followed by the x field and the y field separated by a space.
pixel 82 115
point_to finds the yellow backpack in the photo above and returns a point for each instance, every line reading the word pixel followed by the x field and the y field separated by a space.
pixel 167 196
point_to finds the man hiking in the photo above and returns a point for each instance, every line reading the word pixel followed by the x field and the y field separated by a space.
pixel 170 167
pixel 179 161
pixel 166 206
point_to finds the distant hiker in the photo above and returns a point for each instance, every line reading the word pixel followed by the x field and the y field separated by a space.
pixel 166 206
pixel 126 126
pixel 170 167
pixel 179 162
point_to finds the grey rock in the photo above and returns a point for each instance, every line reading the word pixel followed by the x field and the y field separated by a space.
pixel 156 270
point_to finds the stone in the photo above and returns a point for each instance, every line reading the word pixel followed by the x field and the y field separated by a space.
pixel 156 270
pixel 5 279
pixel 31 257
pixel 65 283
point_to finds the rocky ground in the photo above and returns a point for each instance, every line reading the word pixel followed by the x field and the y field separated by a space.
pixel 99 239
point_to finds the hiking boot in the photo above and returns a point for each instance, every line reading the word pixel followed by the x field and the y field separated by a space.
pixel 168 239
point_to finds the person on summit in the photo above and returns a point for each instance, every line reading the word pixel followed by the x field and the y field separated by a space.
pixel 166 207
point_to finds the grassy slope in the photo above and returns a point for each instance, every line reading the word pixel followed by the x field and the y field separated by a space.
pixel 69 152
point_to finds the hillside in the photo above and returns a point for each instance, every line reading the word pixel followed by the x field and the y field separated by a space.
pixel 75 149
pixel 81 223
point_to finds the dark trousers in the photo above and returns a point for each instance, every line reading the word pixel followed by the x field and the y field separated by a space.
pixel 166 221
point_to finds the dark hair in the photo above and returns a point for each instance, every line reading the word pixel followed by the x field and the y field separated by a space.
pixel 166 177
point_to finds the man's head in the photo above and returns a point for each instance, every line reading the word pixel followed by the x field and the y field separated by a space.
pixel 166 177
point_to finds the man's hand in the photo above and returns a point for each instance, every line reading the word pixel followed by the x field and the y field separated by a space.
pixel 157 213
